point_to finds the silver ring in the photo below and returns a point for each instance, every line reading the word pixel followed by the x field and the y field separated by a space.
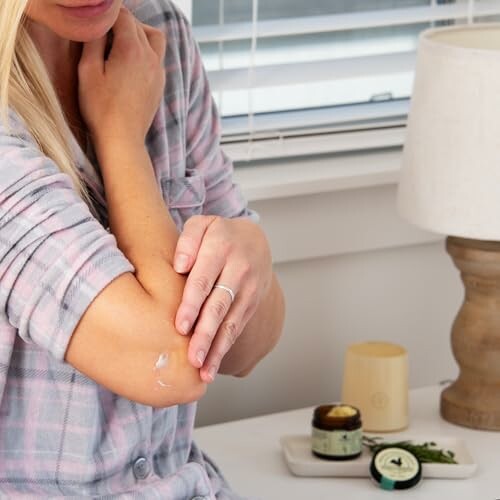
pixel 228 290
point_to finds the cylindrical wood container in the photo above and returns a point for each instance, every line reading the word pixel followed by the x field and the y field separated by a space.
pixel 376 382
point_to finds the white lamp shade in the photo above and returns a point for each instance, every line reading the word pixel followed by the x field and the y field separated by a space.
pixel 450 177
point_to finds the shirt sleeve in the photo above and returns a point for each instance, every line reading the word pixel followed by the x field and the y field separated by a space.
pixel 55 256
pixel 204 152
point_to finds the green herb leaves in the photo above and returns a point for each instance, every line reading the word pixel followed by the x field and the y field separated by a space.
pixel 425 452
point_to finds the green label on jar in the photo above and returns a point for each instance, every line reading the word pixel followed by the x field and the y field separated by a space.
pixel 336 443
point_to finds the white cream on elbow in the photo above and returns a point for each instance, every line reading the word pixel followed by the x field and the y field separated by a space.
pixel 160 366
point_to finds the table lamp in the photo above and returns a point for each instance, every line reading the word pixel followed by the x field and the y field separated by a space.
pixel 450 184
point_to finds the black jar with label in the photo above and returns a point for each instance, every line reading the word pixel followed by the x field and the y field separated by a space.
pixel 337 432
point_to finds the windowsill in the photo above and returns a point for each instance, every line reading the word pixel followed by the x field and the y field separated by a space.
pixel 350 198
pixel 306 176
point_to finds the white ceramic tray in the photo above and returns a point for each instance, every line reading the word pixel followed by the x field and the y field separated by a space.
pixel 301 461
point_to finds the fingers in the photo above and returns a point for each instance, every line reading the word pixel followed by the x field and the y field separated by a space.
pixel 127 28
pixel 227 334
pixel 124 29
pixel 200 282
pixel 220 320
pixel 125 24
pixel 216 250
pixel 157 40
pixel 141 35
pixel 130 87
pixel 189 242
pixel 153 39
pixel 213 313
pixel 92 57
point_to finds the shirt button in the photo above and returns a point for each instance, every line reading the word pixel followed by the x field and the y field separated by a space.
pixel 141 468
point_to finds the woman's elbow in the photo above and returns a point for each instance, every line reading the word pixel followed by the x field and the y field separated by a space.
pixel 162 398
pixel 169 385
pixel 172 380
pixel 159 372
pixel 169 377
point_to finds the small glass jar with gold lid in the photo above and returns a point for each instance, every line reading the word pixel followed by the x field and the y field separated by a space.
pixel 337 432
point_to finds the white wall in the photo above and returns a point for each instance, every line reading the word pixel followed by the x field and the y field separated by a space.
pixel 351 271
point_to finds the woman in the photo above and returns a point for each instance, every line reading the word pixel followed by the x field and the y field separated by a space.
pixel 106 345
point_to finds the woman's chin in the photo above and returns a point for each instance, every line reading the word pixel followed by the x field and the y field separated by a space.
pixel 83 31
pixel 86 36
pixel 69 22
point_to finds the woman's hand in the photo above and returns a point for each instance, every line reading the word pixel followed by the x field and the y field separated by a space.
pixel 120 95
pixel 231 252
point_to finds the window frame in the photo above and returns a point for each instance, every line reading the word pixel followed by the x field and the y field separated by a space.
pixel 266 140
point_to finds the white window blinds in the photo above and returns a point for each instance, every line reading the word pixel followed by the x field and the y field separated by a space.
pixel 299 77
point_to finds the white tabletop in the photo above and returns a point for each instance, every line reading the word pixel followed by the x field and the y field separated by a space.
pixel 249 454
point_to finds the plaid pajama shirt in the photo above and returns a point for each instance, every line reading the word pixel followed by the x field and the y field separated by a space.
pixel 61 434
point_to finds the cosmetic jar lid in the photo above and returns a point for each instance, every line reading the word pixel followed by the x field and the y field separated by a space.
pixel 395 468
pixel 336 416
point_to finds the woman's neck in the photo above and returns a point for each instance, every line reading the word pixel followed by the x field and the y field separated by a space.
pixel 61 59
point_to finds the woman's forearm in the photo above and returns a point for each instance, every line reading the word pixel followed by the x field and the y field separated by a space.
pixel 147 235
pixel 132 322
pixel 127 341
pixel 139 219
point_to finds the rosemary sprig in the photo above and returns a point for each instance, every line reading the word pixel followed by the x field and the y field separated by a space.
pixel 425 452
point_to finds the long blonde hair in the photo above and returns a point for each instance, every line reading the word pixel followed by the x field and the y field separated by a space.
pixel 26 88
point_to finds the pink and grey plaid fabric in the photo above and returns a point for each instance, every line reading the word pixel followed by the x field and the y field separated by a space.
pixel 61 434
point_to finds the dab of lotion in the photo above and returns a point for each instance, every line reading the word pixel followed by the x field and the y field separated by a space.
pixel 162 362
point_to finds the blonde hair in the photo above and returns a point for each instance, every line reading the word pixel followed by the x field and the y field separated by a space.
pixel 26 88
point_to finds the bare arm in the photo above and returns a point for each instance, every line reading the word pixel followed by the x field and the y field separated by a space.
pixel 127 340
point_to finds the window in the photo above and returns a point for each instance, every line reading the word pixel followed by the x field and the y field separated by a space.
pixel 284 70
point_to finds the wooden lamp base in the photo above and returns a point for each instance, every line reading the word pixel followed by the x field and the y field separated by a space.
pixel 473 400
